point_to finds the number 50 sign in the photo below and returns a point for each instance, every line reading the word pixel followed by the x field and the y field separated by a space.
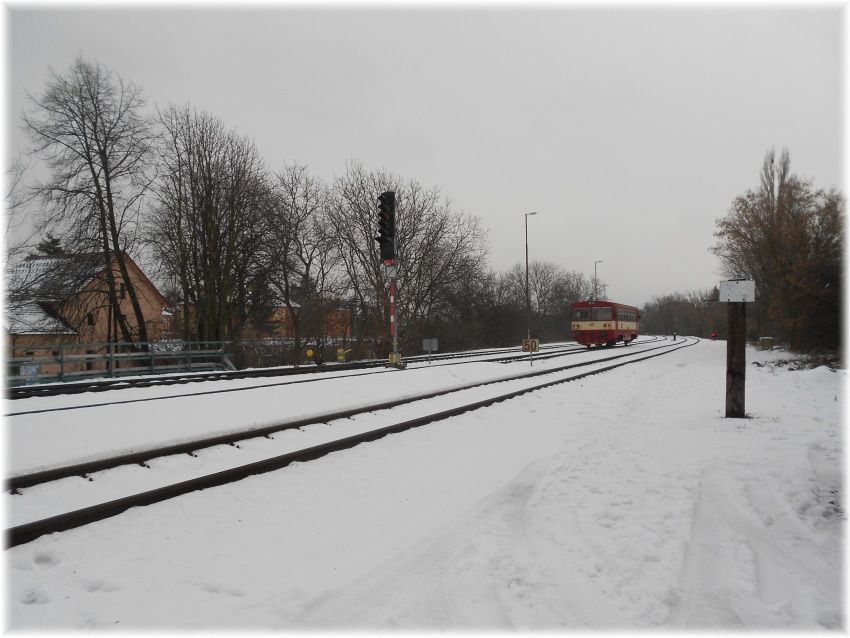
pixel 530 345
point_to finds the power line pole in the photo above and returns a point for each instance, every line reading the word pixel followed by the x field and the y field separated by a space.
pixel 527 293
pixel 596 281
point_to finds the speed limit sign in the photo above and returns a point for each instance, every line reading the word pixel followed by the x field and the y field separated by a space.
pixel 530 345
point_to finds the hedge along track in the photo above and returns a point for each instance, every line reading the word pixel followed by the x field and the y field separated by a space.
pixel 27 532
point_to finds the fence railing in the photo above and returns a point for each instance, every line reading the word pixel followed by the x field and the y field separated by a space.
pixel 33 363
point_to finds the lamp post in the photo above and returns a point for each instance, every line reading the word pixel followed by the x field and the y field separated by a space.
pixel 527 296
pixel 595 281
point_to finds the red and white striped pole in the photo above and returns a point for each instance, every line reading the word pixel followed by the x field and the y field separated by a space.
pixel 392 310
pixel 393 331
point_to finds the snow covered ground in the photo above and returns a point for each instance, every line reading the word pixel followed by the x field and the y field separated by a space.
pixel 621 501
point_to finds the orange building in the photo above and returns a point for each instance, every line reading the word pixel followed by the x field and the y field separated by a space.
pixel 336 323
pixel 59 306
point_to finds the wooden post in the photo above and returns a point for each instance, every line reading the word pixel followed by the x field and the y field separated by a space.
pixel 736 360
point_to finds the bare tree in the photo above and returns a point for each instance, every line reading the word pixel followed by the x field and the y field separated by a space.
pixel 571 286
pixel 207 226
pixel 693 313
pixel 787 236
pixel 302 255
pixel 552 291
pixel 547 284
pixel 543 277
pixel 89 126
pixel 436 247
pixel 473 313
pixel 17 208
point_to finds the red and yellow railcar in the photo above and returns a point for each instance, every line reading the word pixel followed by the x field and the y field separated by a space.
pixel 604 323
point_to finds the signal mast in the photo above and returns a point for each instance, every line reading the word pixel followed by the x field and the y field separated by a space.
pixel 386 242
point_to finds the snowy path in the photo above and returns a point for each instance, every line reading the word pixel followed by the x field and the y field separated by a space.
pixel 648 510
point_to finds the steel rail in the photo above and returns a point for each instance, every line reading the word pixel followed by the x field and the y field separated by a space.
pixel 521 357
pixel 103 385
pixel 27 532
pixel 15 483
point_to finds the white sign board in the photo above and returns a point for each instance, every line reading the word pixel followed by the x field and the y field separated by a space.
pixel 738 290
pixel 430 344
pixel 29 370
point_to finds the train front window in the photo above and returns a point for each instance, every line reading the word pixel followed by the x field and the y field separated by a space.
pixel 602 314
pixel 581 314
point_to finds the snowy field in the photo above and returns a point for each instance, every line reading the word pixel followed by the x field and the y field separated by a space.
pixel 621 501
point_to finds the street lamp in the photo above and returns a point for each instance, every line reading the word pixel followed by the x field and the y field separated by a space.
pixel 596 281
pixel 527 296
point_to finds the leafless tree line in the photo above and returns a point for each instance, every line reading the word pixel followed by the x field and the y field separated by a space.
pixel 232 241
pixel 696 313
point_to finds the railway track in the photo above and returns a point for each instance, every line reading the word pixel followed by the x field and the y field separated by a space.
pixel 104 385
pixel 523 382
pixel 552 352
pixel 36 478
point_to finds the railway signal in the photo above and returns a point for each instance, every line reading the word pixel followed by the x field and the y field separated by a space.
pixel 386 241
pixel 386 226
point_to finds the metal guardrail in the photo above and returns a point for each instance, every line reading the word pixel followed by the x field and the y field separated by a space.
pixel 80 361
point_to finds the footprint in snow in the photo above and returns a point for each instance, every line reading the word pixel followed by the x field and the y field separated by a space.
pixel 227 591
pixel 35 596
pixel 45 559
pixel 100 585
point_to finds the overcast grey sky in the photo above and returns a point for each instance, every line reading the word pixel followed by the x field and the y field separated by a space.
pixel 629 129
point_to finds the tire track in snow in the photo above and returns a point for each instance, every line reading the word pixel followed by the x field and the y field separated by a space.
pixel 735 575
pixel 620 544
pixel 533 590
pixel 481 572
pixel 409 591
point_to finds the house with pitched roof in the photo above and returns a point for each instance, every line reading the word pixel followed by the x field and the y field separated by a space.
pixel 60 304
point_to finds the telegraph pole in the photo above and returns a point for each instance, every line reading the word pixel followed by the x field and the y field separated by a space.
pixel 527 293
pixel 596 281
